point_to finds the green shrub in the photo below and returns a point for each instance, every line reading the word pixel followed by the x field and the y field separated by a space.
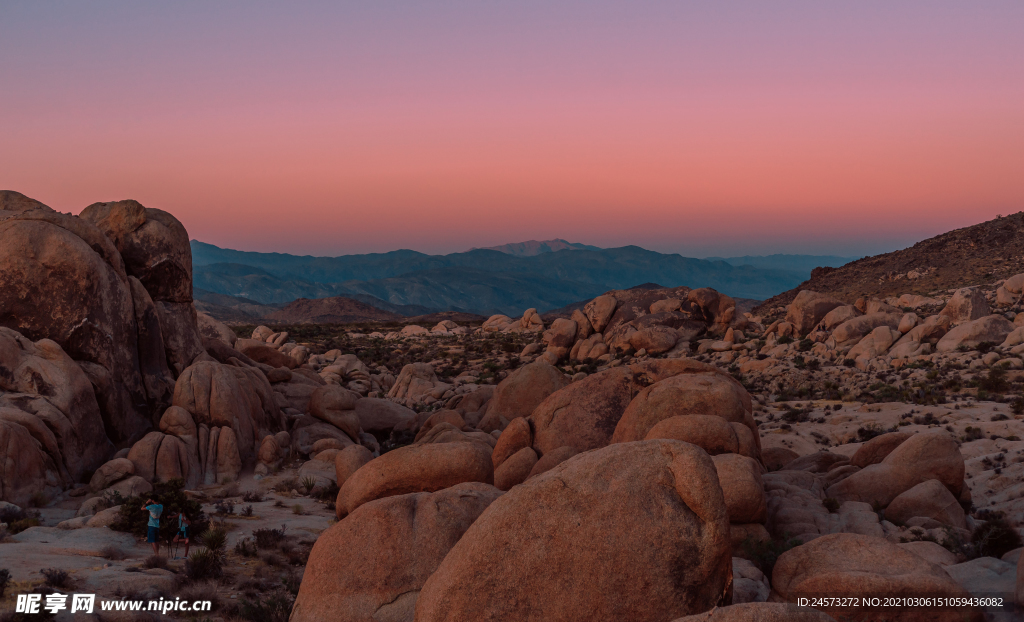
pixel 5 580
pixel 203 564
pixel 275 608
pixel 56 577
pixel 268 538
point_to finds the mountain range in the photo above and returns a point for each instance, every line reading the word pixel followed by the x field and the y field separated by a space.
pixel 482 281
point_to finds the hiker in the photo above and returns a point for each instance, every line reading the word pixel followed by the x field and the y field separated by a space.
pixel 155 510
pixel 182 533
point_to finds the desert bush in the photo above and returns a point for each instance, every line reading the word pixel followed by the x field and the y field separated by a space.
pixel 155 561
pixel 204 590
pixel 308 484
pixel 202 565
pixel 113 553
pixel 247 510
pixel 268 538
pixel 5 580
pixel 246 547
pixel 995 537
pixel 56 577
pixel 223 508
pixel 275 608
pixel 252 496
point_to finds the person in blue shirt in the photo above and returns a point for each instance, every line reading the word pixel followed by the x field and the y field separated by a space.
pixel 182 534
pixel 155 510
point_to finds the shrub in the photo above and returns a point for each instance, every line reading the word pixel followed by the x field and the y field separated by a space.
pixel 252 496
pixel 223 508
pixel 308 484
pixel 247 510
pixel 832 505
pixel 245 547
pixel 326 494
pixel 215 540
pixel 995 381
pixel 155 561
pixel 5 580
pixel 804 345
pixel 995 538
pixel 56 577
pixel 268 538
pixel 19 526
pixel 133 519
pixel 286 485
pixel 203 564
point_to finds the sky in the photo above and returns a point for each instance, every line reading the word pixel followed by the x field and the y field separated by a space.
pixel 715 128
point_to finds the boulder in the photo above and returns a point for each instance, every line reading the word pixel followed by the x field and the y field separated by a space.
pixel 414 382
pixel 846 564
pixel 561 334
pixel 992 328
pixel 818 462
pixel 372 564
pixel 655 339
pixel 775 458
pixel 269 453
pixel 966 304
pixel 837 316
pixel 210 328
pixel 740 478
pixel 62 279
pixel 583 327
pixel 712 434
pixel 348 461
pixel 809 308
pixel 851 331
pixel 652 510
pixel 876 449
pixel 930 499
pixel 552 459
pixel 263 353
pixel 516 436
pixel 931 551
pixel 416 468
pixel 110 472
pixel 600 310
pixel 336 406
pixel 46 396
pixel 524 389
pixel 439 417
pixel 229 460
pixel 516 469
pixel 239 398
pixel 709 393
pixel 381 416
pixel 924 456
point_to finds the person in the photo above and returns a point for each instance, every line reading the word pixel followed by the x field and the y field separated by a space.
pixel 182 533
pixel 155 510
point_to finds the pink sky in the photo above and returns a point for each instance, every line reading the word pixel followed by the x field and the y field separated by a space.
pixel 797 127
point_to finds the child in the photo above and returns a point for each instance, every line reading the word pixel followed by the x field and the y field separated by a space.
pixel 155 510
pixel 182 534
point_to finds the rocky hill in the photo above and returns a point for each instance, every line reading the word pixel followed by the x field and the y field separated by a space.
pixel 975 255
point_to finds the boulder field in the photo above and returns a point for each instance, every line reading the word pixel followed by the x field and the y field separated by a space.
pixel 652 455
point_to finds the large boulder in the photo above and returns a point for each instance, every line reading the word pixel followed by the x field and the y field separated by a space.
pixel 155 249
pixel 51 427
pixel 992 328
pixel 239 398
pixel 854 565
pixel 416 468
pixel 924 456
pixel 516 469
pixel 380 416
pixel 372 565
pixel 62 279
pixel 524 389
pixel 712 434
pixel 211 328
pixel 966 304
pixel 348 461
pixel 415 382
pixel 515 437
pixel 875 450
pixel 740 478
pixel 652 511
pixel 710 393
pixel 809 308
pixel 336 406
pixel 585 414
pixel 930 499
pixel 599 311
pixel 853 330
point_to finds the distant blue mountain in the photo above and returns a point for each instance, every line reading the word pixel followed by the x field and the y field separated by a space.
pixel 483 281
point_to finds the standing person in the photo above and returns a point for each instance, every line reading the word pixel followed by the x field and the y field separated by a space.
pixel 155 510
pixel 182 533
